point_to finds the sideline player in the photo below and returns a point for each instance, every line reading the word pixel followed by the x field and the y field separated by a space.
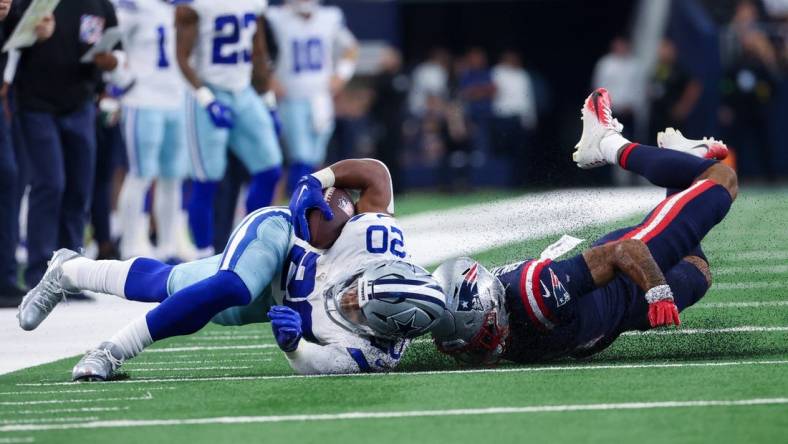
pixel 354 305
pixel 634 278
pixel 154 130
pixel 307 78
pixel 222 53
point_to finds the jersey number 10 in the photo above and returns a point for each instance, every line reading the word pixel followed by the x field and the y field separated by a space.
pixel 307 55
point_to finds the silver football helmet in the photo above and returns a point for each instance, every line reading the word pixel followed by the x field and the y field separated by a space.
pixel 476 325
pixel 388 299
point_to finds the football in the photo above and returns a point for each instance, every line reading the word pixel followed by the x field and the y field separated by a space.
pixel 325 232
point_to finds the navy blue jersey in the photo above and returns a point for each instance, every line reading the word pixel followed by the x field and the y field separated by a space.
pixel 554 308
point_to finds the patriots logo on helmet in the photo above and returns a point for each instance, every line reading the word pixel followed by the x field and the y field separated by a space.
pixel 468 291
pixel 560 293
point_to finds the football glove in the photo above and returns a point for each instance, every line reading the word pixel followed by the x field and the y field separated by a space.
pixel 220 114
pixel 286 324
pixel 662 311
pixel 308 194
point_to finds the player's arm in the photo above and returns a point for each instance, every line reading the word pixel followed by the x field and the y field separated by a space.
pixel 261 67
pixel 369 176
pixel 348 59
pixel 633 258
pixel 186 32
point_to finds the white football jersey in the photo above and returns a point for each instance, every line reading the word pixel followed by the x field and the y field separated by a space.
pixel 148 28
pixel 365 239
pixel 223 55
pixel 307 48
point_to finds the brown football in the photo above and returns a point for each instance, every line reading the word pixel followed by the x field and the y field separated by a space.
pixel 325 232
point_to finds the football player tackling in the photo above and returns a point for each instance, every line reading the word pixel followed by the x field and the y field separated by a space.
pixel 354 305
pixel 634 278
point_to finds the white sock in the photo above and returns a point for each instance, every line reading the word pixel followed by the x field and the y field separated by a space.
pixel 167 207
pixel 131 213
pixel 610 145
pixel 100 276
pixel 133 338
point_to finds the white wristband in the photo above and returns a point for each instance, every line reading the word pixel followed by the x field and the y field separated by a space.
pixel 204 96
pixel 345 69
pixel 659 293
pixel 269 98
pixel 325 177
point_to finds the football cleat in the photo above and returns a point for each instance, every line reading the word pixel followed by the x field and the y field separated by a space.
pixel 98 364
pixel 706 148
pixel 598 123
pixel 42 299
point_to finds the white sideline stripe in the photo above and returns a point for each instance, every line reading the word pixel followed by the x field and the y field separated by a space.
pixel 188 369
pixel 133 365
pixel 48 420
pixel 748 285
pixel 24 439
pixel 706 331
pixel 433 372
pixel 64 392
pixel 747 304
pixel 148 396
pixel 210 347
pixel 400 414
pixel 77 410
pixel 752 269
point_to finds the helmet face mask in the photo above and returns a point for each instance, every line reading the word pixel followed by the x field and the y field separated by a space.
pixel 477 327
pixel 388 299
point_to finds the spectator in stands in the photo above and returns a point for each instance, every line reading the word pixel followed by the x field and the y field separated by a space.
pixel 672 93
pixel 477 90
pixel 390 91
pixel 748 88
pixel 58 123
pixel 10 293
pixel 429 78
pixel 514 110
pixel 617 71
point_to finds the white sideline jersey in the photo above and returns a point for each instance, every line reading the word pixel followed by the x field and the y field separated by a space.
pixel 223 55
pixel 329 348
pixel 148 28
pixel 307 48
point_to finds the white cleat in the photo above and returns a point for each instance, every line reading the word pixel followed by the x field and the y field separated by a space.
pixel 98 364
pixel 42 299
pixel 598 123
pixel 706 148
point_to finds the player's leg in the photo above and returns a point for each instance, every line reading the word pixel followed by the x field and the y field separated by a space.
pixel 297 130
pixel 143 133
pixel 255 252
pixel 168 195
pixel 254 141
pixel 207 146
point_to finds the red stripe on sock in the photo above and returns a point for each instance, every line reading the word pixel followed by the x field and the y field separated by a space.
pixel 625 155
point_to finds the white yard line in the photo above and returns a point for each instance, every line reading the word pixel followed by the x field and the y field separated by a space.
pixel 560 408
pixel 742 304
pixel 747 285
pixel 757 255
pixel 143 364
pixel 148 396
pixel 188 369
pixel 708 331
pixel 726 270
pixel 231 338
pixel 210 347
pixel 68 392
pixel 436 372
pixel 17 440
pixel 70 410
pixel 48 420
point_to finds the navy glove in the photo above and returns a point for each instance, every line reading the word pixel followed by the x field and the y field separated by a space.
pixel 307 194
pixel 220 114
pixel 286 324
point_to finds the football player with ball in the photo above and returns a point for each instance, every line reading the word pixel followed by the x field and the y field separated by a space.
pixel 349 301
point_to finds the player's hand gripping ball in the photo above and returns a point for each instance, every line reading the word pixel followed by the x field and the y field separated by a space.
pixel 319 215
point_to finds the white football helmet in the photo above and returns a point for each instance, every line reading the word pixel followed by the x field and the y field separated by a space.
pixel 476 326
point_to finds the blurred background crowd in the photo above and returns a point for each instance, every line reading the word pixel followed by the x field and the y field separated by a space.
pixel 451 95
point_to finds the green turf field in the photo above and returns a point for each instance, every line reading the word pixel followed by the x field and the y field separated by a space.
pixel 722 378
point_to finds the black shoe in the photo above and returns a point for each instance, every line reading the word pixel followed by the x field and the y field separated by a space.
pixel 11 296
